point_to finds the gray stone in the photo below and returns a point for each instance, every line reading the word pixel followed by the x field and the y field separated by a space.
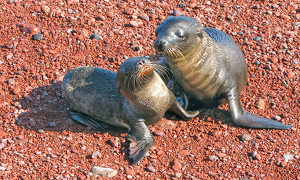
pixel 38 37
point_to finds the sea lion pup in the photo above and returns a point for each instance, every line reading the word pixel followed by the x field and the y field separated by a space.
pixel 133 98
pixel 209 66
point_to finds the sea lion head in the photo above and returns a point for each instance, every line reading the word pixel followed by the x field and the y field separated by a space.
pixel 178 36
pixel 134 74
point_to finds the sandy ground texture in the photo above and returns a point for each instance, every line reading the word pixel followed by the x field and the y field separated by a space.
pixel 41 40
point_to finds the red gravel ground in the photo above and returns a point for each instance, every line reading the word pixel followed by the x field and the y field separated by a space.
pixel 38 139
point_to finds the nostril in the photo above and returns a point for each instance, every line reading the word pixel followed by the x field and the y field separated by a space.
pixel 141 62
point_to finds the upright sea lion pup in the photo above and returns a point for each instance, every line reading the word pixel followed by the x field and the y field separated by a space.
pixel 209 66
pixel 133 98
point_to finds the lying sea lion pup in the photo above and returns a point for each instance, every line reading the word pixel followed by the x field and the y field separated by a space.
pixel 209 66
pixel 133 98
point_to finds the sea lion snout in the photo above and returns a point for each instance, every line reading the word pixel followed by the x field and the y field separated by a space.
pixel 159 44
pixel 142 62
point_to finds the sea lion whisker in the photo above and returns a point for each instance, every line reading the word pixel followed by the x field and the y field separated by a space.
pixel 163 73
pixel 177 52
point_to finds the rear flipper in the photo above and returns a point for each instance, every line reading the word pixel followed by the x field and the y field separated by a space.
pixel 240 117
pixel 140 139
pixel 185 115
pixel 88 121
pixel 253 121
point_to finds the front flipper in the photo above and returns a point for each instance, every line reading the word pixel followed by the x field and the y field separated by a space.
pixel 183 100
pixel 185 115
pixel 240 117
pixel 88 121
pixel 140 139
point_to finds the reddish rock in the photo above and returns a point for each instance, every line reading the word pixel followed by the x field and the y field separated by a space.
pixel 144 17
pixel 285 16
pixel 83 32
pixel 46 10
pixel 193 5
pixel 184 152
pixel 160 152
pixel 72 1
pixel 165 124
pixel 283 163
pixel 153 17
pixel 130 172
pixel 150 168
pixel 221 155
pixel 21 141
pixel 2 79
pixel 274 60
pixel 17 90
pixel 2 134
pixel 110 14
pixel 276 29
pixel 260 104
pixel 159 133
pixel 161 17
pixel 128 11
pixel 30 30
pixel 122 5
pixel 176 166
pixel 134 23
pixel 216 133
pixel 7 115
pixel 96 154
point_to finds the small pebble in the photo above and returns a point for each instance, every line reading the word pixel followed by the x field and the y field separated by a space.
pixel 96 154
pixel 276 118
pixel 11 81
pixel 95 36
pixel 159 133
pixel 72 1
pixel 144 17
pixel 221 155
pixel 46 10
pixel 53 124
pixel 178 175
pixel 104 172
pixel 122 5
pixel 176 166
pixel 260 104
pixel 41 131
pixel 134 23
pixel 283 163
pixel 216 133
pixel 2 145
pixel 16 90
pixel 110 14
pixel 2 79
pixel 258 38
pixel 245 137
pixel 213 158
pixel 30 30
pixel 184 152
pixel 128 11
pixel 150 168
pixel 288 157
pixel 38 37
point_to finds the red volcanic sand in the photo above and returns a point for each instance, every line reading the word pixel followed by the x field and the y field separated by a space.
pixel 38 139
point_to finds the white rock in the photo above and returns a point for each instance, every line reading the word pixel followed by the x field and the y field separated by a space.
pixel 104 172
pixel 288 157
